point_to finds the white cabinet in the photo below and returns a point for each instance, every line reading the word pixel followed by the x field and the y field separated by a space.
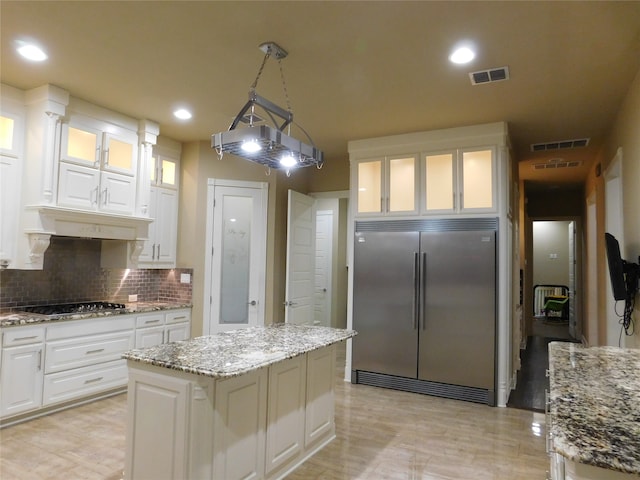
pixel 387 185
pixel 457 181
pixel 12 118
pixel 319 415
pixel 158 427
pixel 98 166
pixel 159 250
pixel 158 327
pixel 286 412
pixel 261 424
pixel 22 370
pixel 441 172
pixel 239 426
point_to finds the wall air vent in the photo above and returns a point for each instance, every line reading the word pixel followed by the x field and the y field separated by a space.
pixel 556 163
pixel 563 144
pixel 489 76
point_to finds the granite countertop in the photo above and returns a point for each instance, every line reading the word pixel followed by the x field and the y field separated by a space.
pixel 232 353
pixel 15 319
pixel 595 405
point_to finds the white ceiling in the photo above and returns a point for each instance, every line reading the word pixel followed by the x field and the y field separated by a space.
pixel 355 69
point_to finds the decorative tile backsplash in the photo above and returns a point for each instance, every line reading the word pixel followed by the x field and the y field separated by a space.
pixel 72 273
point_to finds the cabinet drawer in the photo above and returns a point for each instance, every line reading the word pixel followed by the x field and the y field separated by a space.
pixel 80 352
pixel 12 337
pixel 93 326
pixel 150 320
pixel 178 316
pixel 59 387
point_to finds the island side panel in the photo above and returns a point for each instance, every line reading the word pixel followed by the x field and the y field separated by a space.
pixel 157 425
pixel 239 426
pixel 320 409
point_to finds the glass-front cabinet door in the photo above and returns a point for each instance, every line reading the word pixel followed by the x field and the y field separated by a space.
pixel 370 186
pixel 90 146
pixel 401 196
pixel 387 185
pixel 459 181
pixel 477 182
pixel 439 174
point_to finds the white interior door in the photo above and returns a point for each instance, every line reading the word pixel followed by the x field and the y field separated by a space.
pixel 301 236
pixel 592 273
pixel 572 279
pixel 613 225
pixel 236 237
pixel 323 270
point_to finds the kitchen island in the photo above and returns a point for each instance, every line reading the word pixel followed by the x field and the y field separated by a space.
pixel 594 412
pixel 247 403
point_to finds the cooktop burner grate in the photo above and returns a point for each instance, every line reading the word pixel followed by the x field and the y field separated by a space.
pixel 70 308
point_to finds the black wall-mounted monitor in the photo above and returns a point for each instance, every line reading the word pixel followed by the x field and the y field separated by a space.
pixel 616 267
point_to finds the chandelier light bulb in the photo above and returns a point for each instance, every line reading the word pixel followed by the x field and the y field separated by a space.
pixel 251 146
pixel 288 160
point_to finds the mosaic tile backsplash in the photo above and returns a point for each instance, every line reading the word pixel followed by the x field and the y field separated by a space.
pixel 72 273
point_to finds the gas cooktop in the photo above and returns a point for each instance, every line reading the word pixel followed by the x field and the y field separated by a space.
pixel 71 308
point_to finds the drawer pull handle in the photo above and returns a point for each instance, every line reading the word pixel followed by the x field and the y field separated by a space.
pixel 179 318
pixel 151 321
pixel 93 380
pixel 98 350
pixel 19 339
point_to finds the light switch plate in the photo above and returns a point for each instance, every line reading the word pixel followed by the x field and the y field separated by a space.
pixel 185 278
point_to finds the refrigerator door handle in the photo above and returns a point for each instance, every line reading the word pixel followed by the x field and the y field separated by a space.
pixel 423 290
pixel 416 289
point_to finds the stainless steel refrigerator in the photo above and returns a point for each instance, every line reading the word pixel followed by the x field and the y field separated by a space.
pixel 424 306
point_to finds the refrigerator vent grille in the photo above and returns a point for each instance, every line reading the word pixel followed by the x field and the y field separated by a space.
pixel 428 225
pixel 455 392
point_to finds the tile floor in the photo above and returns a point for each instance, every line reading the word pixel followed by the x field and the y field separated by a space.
pixel 381 434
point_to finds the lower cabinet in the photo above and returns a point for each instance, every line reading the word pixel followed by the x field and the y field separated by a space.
pixel 258 425
pixel 61 362
pixel 22 370
pixel 159 327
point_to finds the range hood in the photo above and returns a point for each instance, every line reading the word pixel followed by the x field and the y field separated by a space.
pixel 40 222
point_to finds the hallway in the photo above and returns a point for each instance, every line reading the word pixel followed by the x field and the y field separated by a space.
pixel 532 381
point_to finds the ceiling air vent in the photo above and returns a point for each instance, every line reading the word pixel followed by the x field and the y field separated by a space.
pixel 575 143
pixel 489 76
pixel 556 163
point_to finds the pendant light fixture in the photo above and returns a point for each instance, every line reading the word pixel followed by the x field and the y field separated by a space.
pixel 271 146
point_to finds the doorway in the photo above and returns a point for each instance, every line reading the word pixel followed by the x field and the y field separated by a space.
pixel 325 266
pixel 235 270
pixel 556 268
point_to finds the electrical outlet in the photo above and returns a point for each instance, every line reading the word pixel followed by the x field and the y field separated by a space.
pixel 185 278
pixel 133 298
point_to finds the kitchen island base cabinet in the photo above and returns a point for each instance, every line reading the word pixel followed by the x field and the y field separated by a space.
pixel 564 469
pixel 258 425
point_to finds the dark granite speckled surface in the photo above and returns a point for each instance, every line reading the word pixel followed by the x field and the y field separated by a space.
pixel 23 318
pixel 595 405
pixel 235 352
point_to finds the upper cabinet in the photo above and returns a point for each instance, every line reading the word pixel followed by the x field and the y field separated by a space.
pixel 456 171
pixel 98 166
pixel 12 117
pixel 459 181
pixel 159 250
pixel 82 170
pixel 387 185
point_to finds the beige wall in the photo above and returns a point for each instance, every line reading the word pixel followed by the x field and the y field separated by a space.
pixel 625 133
pixel 199 163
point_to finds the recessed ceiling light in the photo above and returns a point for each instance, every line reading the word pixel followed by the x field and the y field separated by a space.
pixel 462 55
pixel 182 114
pixel 31 52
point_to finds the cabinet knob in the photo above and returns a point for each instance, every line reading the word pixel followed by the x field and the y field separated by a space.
pixel 253 303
